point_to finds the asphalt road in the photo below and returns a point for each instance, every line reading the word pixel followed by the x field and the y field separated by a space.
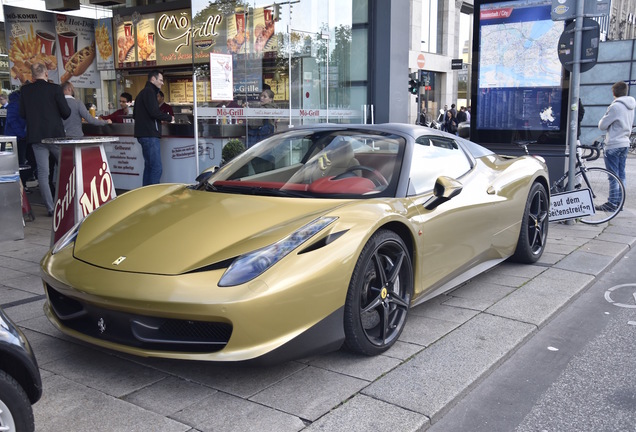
pixel 576 374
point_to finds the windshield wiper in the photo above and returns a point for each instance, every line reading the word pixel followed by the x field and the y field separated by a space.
pixel 257 190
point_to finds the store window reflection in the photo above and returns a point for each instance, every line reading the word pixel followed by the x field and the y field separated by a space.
pixel 301 50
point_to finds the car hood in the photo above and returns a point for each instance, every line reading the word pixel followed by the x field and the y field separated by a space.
pixel 170 229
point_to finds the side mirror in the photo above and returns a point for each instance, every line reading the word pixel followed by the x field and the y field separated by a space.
pixel 445 189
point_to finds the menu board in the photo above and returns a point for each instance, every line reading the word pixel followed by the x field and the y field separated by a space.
pixel 182 91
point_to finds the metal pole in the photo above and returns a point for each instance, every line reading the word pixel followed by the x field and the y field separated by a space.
pixel 575 79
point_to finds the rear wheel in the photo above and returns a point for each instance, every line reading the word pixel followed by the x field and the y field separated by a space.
pixel 379 295
pixel 534 226
pixel 16 413
pixel 607 201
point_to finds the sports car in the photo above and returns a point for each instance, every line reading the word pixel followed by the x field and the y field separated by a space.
pixel 314 239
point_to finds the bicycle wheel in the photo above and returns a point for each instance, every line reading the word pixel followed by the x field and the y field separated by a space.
pixel 606 205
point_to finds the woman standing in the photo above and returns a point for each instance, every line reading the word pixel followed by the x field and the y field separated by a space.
pixel 450 123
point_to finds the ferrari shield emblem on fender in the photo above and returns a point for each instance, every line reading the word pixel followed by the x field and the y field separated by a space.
pixel 119 260
pixel 101 325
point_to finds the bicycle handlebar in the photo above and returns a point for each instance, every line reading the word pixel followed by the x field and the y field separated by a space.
pixel 595 150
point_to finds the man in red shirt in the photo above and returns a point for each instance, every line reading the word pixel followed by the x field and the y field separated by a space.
pixel 118 116
pixel 163 106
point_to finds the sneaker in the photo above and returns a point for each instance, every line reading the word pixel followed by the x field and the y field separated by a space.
pixel 607 207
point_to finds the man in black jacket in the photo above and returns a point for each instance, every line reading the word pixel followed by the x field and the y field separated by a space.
pixel 148 120
pixel 43 106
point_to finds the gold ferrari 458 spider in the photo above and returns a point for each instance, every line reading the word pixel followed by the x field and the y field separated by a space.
pixel 315 238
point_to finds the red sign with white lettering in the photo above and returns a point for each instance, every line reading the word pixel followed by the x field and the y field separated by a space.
pixel 64 211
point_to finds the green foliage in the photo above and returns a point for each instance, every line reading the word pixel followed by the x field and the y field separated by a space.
pixel 231 149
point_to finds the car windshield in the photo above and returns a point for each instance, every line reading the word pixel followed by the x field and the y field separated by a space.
pixel 316 163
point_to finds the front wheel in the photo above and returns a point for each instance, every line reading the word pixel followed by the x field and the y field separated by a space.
pixel 534 226
pixel 608 194
pixel 16 413
pixel 379 295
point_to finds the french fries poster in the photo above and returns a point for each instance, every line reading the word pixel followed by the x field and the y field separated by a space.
pixel 64 44
pixel 104 43
pixel 30 39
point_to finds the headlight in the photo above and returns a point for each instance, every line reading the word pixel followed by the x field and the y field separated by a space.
pixel 248 266
pixel 66 239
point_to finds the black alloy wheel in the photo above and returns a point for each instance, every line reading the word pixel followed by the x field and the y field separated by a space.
pixel 534 226
pixel 379 295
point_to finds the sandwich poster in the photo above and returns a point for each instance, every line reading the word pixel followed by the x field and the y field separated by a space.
pixel 76 54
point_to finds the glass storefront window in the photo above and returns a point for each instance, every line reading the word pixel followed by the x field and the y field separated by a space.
pixel 311 55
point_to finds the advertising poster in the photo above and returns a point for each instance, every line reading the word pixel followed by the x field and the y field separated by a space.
pixel 76 51
pixel 236 33
pixel 104 42
pixel 125 42
pixel 30 39
pixel 264 30
pixel 146 48
pixel 221 77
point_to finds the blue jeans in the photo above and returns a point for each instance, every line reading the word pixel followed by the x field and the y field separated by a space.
pixel 41 153
pixel 615 162
pixel 151 150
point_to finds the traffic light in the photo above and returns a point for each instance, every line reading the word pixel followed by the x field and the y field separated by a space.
pixel 414 84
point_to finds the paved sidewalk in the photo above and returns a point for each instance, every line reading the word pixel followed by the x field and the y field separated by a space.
pixel 448 346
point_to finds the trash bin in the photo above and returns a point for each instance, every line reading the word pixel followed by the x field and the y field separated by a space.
pixel 11 222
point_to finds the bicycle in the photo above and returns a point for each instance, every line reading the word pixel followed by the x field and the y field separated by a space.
pixel 607 190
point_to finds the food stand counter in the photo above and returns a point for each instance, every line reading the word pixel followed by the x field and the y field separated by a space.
pixel 177 150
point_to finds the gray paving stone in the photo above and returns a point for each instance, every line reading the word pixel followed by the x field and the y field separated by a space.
pixel 600 247
pixel 9 295
pixel 478 295
pixel 403 350
pixel 32 253
pixel 433 379
pixel 499 278
pixel 226 413
pixel 27 282
pixel 71 406
pixel 441 311
pixel 106 373
pixel 549 259
pixel 587 262
pixel 355 365
pixel 26 312
pixel 241 380
pixel 540 298
pixel 424 331
pixel 169 396
pixel 520 270
pixel 48 349
pixel 362 413
pixel 315 392
pixel 627 239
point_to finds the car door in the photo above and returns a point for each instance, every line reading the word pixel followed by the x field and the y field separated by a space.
pixel 457 234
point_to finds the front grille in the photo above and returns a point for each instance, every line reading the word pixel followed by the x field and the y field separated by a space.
pixel 141 331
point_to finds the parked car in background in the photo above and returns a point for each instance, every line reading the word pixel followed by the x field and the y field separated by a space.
pixel 20 381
